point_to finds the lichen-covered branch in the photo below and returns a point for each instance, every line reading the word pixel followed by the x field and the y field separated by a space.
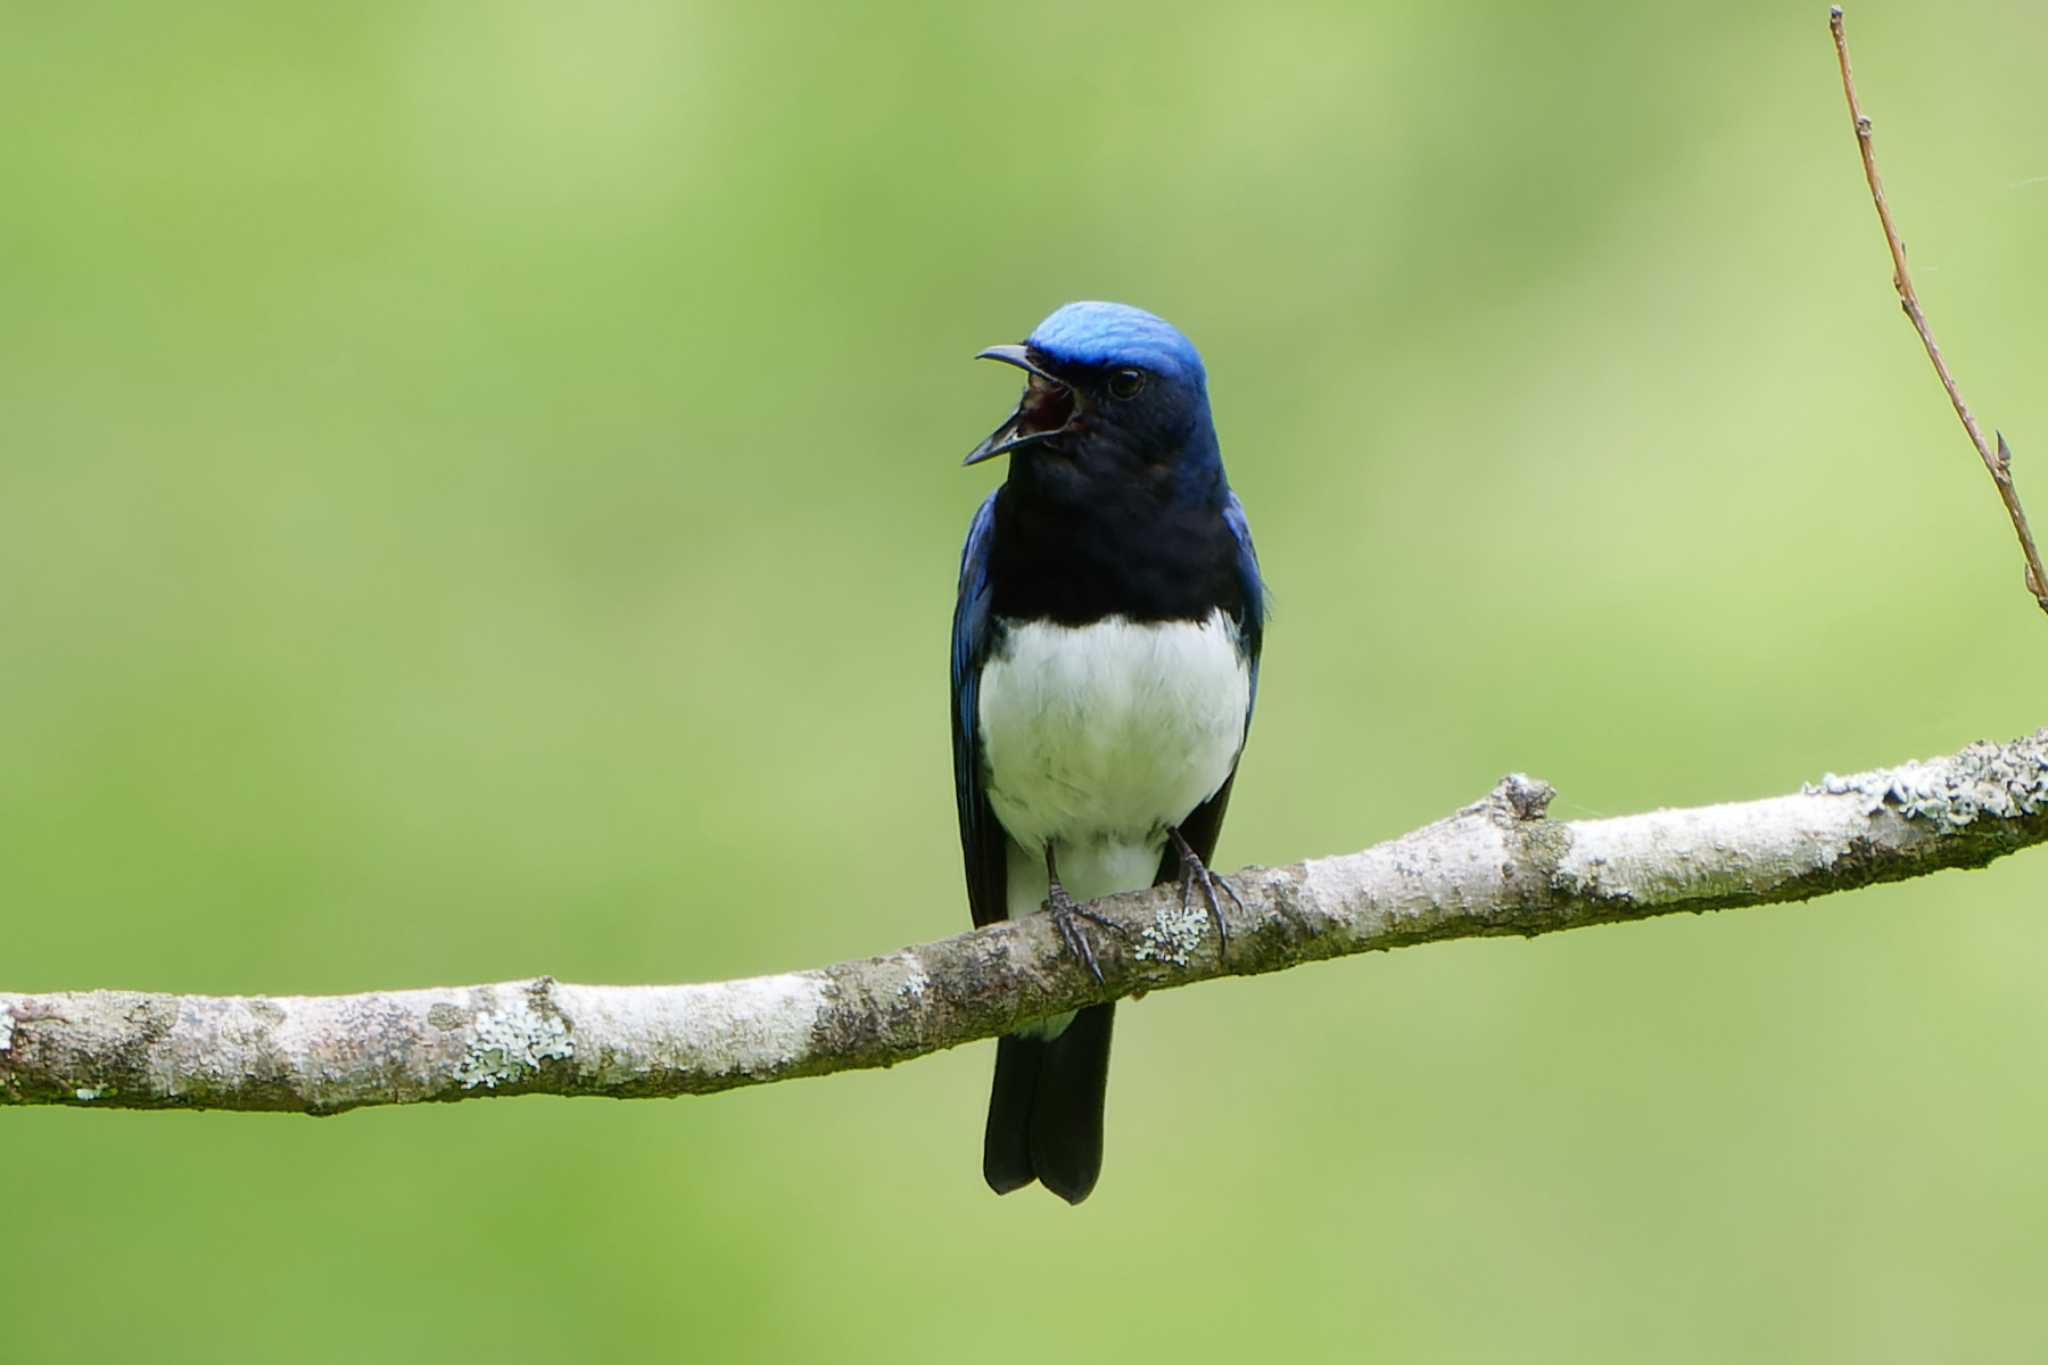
pixel 1499 866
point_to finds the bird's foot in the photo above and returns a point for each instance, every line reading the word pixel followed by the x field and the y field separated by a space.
pixel 1193 873
pixel 1067 914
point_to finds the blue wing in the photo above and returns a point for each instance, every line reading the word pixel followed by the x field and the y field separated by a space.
pixel 981 835
pixel 1205 823
pixel 1251 623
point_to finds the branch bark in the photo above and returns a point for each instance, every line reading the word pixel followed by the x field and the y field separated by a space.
pixel 1499 866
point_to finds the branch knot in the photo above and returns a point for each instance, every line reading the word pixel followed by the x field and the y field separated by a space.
pixel 1518 798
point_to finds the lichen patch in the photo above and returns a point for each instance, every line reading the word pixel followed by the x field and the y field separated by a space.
pixel 1174 933
pixel 511 1044
pixel 2002 781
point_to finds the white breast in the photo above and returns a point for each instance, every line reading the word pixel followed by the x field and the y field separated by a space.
pixel 1098 737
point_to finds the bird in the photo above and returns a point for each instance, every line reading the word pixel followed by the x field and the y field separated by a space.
pixel 1105 662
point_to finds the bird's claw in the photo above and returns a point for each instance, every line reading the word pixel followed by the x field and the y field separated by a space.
pixel 1194 872
pixel 1066 915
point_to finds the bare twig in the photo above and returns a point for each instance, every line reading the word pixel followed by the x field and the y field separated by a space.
pixel 1999 462
pixel 1497 867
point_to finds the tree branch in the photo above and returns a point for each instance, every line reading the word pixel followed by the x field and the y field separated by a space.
pixel 1998 462
pixel 1499 866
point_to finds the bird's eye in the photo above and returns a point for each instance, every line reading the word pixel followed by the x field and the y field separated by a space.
pixel 1126 383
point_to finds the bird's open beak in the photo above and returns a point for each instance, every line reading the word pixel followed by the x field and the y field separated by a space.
pixel 1046 409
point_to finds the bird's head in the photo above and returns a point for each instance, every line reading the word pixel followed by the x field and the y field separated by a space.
pixel 1109 386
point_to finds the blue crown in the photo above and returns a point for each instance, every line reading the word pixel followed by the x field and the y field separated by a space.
pixel 1093 333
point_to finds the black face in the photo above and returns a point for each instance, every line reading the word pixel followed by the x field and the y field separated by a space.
pixel 1129 420
pixel 1068 409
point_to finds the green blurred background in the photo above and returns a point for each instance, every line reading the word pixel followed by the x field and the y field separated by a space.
pixel 479 498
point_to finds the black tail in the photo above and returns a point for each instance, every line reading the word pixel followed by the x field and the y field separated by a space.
pixel 1045 1113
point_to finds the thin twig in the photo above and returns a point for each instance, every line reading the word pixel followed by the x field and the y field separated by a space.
pixel 1999 462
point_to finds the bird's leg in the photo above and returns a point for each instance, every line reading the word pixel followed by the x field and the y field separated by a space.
pixel 1066 911
pixel 1194 872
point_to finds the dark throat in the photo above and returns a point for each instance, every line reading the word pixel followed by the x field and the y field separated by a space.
pixel 1078 540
